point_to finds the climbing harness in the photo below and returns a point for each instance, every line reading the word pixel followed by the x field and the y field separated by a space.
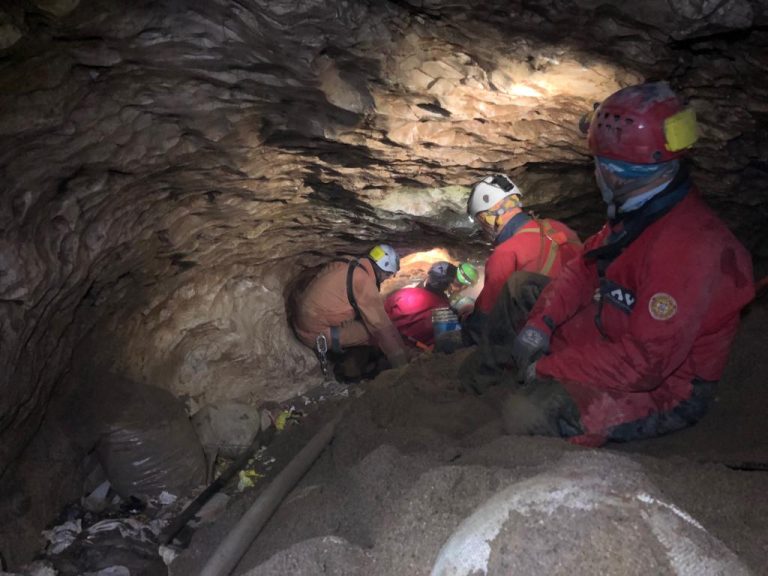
pixel 352 265
pixel 555 238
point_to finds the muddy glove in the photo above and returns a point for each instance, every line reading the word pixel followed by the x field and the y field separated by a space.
pixel 530 344
pixel 530 374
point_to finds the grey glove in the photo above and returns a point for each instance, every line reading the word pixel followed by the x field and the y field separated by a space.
pixel 530 344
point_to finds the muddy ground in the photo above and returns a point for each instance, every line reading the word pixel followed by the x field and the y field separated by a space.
pixel 413 458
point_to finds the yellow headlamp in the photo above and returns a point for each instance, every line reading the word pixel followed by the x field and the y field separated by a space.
pixel 681 130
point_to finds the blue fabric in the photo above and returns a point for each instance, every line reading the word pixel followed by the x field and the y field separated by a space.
pixel 685 414
pixel 639 201
pixel 629 226
pixel 659 204
pixel 511 227
pixel 619 180
pixel 631 171
pixel 336 340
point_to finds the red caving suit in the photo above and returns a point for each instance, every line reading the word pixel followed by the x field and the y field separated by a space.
pixel 410 310
pixel 674 305
pixel 542 246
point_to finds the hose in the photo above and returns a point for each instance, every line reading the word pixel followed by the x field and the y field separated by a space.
pixel 261 439
pixel 235 544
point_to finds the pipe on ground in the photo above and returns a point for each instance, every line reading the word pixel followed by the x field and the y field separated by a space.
pixel 235 544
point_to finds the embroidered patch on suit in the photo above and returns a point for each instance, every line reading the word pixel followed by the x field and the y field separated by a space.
pixel 662 306
pixel 615 294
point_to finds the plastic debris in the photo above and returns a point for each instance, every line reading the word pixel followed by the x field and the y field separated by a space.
pixel 335 389
pixel 105 535
pixel 247 479
pixel 61 537
pixel 128 528
pixel 282 420
pixel 286 416
pixel 111 571
pixel 166 498
pixel 36 568
pixel 167 553
pixel 148 444
pixel 96 501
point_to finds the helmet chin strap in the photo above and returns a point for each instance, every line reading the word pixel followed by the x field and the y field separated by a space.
pixel 608 195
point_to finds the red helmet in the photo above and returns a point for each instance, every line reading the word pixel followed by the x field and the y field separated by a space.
pixel 643 124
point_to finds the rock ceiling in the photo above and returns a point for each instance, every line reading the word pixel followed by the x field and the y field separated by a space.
pixel 168 166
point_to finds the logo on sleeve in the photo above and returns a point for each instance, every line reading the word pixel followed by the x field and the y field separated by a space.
pixel 613 293
pixel 662 306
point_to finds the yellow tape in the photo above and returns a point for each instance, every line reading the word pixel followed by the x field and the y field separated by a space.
pixel 681 130
pixel 377 253
pixel 247 479
pixel 282 419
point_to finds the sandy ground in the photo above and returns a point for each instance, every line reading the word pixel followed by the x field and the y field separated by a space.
pixel 413 458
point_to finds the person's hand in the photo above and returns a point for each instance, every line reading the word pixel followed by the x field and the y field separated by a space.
pixel 530 344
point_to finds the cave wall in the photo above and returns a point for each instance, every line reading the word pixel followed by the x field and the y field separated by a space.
pixel 168 167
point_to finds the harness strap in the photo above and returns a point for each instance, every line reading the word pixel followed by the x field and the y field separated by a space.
pixel 350 289
pixel 353 263
pixel 336 340
pixel 556 239
pixel 602 266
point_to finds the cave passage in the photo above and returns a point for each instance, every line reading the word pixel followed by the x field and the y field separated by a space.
pixel 173 170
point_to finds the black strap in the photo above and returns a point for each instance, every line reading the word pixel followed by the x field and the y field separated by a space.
pixel 350 289
pixel 602 265
pixel 627 227
pixel 335 335
pixel 353 263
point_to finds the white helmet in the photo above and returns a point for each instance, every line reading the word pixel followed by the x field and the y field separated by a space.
pixel 490 191
pixel 385 258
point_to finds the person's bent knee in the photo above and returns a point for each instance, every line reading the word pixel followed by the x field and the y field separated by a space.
pixel 543 408
pixel 523 417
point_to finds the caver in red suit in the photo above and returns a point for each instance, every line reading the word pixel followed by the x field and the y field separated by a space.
pixel 521 242
pixel 529 245
pixel 636 333
pixel 410 310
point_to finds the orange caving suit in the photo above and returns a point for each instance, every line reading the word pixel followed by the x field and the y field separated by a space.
pixel 325 304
